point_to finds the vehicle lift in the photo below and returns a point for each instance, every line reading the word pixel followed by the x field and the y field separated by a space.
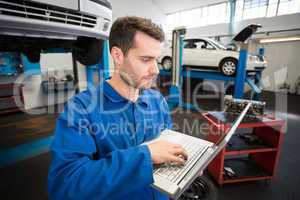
pixel 102 67
pixel 40 146
pixel 178 72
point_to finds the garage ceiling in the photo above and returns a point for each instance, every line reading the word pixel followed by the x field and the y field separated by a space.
pixel 171 6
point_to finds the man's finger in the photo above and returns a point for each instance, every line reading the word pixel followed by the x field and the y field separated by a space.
pixel 181 152
pixel 177 160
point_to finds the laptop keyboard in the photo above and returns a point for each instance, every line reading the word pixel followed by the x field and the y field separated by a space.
pixel 175 173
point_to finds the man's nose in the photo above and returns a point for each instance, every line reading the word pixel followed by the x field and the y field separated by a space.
pixel 154 68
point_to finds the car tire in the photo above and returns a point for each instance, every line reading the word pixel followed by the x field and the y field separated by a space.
pixel 202 188
pixel 33 56
pixel 88 51
pixel 166 63
pixel 228 66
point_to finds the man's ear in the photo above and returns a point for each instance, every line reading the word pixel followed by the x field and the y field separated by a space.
pixel 117 55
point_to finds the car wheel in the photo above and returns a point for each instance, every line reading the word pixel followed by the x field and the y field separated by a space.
pixel 228 66
pixel 166 63
pixel 88 51
pixel 202 188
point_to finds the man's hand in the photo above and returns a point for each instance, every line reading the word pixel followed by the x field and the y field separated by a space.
pixel 167 152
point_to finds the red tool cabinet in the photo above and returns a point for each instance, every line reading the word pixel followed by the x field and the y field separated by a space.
pixel 249 161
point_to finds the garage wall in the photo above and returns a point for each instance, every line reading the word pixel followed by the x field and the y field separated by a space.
pixel 58 64
pixel 284 22
pixel 283 57
pixel 210 30
pixel 284 62
pixel 279 55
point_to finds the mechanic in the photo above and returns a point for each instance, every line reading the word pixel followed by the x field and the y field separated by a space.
pixel 97 151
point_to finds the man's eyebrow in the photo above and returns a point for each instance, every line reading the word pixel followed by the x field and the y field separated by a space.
pixel 147 56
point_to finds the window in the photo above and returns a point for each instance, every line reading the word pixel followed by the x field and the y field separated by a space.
pixel 204 17
pixel 248 9
pixel 220 13
pixel 201 44
pixel 191 18
pixel 197 44
pixel 254 9
pixel 272 8
pixel 173 21
pixel 239 10
pixel 288 7
pixel 217 44
pixel 217 14
pixel 228 12
pixel 189 44
pixel 214 14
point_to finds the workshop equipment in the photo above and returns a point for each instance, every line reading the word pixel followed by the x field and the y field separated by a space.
pixel 248 156
pixel 236 106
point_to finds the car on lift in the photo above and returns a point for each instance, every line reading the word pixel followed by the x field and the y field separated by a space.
pixel 206 53
pixel 35 26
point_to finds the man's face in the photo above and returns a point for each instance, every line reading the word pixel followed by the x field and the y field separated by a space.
pixel 139 67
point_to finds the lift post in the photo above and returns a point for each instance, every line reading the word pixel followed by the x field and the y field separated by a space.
pixel 241 73
pixel 177 50
pixel 102 67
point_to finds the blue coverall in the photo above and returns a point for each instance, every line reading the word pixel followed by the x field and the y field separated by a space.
pixel 97 151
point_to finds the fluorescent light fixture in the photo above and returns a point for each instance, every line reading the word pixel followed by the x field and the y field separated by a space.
pixel 282 39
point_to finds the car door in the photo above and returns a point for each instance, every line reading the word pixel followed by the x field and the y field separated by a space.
pixel 193 54
pixel 188 52
pixel 203 54
pixel 211 54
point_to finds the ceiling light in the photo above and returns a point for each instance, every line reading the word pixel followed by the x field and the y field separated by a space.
pixel 282 39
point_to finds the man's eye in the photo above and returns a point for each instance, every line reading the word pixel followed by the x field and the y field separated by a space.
pixel 145 59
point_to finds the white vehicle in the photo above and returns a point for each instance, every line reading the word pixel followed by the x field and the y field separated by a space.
pixel 34 26
pixel 205 53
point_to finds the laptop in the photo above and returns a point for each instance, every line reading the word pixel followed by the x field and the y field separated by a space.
pixel 173 179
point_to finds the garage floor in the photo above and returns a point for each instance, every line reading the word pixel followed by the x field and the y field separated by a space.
pixel 28 179
pixel 20 128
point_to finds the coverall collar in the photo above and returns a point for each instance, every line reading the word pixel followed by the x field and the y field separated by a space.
pixel 115 97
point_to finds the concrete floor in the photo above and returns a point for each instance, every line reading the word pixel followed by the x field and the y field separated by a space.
pixel 28 179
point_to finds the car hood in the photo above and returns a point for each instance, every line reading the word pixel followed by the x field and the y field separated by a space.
pixel 246 32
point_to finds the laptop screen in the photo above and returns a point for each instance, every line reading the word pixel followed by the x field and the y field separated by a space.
pixel 226 136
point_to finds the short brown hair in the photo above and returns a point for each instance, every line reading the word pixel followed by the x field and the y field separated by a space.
pixel 124 29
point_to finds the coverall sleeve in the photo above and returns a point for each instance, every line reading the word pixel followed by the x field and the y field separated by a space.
pixel 74 174
pixel 167 117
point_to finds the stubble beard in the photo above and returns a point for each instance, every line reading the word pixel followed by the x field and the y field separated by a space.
pixel 135 83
